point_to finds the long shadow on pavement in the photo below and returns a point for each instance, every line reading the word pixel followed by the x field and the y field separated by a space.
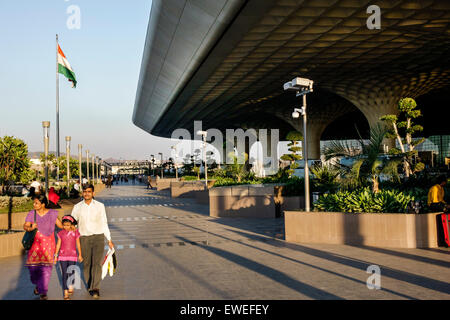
pixel 273 274
pixel 180 268
pixel 348 261
pixel 24 288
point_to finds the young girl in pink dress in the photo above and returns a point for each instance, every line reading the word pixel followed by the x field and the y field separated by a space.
pixel 66 251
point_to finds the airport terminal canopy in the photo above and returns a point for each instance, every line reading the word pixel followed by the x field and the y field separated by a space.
pixel 225 61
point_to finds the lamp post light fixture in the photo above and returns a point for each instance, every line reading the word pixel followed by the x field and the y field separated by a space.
pixel 93 168
pixel 46 126
pixel 176 158
pixel 204 134
pixel 162 170
pixel 80 156
pixel 97 168
pixel 68 138
pixel 302 87
pixel 87 166
pixel 153 164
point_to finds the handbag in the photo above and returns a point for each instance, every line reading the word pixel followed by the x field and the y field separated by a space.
pixel 28 237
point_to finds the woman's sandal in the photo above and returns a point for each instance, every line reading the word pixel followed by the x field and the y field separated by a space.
pixel 70 292
pixel 44 297
pixel 67 297
pixel 36 291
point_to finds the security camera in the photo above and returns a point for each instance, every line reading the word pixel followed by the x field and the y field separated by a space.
pixel 302 82
pixel 298 83
pixel 296 113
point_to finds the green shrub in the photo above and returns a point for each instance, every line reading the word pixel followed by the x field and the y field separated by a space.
pixel 221 182
pixel 19 204
pixel 364 200
pixel 189 178
pixel 295 186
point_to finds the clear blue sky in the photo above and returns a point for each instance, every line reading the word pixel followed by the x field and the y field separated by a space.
pixel 106 56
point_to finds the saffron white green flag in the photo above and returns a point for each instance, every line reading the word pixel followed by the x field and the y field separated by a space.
pixel 65 69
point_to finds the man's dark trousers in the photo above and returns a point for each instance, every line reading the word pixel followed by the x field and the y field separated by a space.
pixel 92 250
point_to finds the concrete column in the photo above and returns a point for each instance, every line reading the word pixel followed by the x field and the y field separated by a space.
pixel 314 132
pixel 376 105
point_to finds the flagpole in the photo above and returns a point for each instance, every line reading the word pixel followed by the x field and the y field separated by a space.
pixel 57 113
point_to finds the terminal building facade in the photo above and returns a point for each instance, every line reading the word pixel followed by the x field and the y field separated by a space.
pixel 224 63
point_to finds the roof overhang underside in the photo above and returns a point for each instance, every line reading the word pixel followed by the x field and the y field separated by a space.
pixel 225 61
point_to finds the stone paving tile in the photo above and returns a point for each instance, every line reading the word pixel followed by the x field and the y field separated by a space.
pixel 179 252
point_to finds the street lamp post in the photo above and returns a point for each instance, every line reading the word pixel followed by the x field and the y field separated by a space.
pixel 162 170
pixel 153 163
pixel 68 138
pixel 302 87
pixel 46 126
pixel 93 168
pixel 87 166
pixel 204 134
pixel 96 168
pixel 80 156
pixel 99 164
pixel 176 158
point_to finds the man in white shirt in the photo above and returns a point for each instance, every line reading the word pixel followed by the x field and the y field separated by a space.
pixel 36 185
pixel 93 227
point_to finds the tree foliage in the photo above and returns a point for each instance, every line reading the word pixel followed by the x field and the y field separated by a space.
pixel 293 137
pixel 402 129
pixel 14 162
pixel 238 168
pixel 368 161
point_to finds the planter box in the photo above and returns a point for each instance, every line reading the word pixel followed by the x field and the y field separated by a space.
pixel 395 230
pixel 288 204
pixel 164 184
pixel 242 201
pixel 11 244
pixel 202 197
pixel 186 189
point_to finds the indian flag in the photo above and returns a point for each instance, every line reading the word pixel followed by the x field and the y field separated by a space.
pixel 65 68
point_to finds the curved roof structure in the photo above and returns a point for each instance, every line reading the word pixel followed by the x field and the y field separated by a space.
pixel 225 61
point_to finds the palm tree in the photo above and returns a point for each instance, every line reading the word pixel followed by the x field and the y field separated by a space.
pixel 368 162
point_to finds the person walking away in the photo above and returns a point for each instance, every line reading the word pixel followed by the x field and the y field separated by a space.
pixel 53 198
pixel 436 201
pixel 66 251
pixel 36 185
pixel 40 257
pixel 93 227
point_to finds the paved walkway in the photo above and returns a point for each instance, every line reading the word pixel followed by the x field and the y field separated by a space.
pixel 171 249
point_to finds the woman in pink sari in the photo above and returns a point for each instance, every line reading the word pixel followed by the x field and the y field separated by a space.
pixel 40 256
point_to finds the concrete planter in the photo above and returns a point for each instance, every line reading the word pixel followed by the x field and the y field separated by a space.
pixel 186 189
pixel 368 229
pixel 202 197
pixel 164 184
pixel 243 201
pixel 11 244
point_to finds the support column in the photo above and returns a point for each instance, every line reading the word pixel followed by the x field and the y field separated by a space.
pixel 314 132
